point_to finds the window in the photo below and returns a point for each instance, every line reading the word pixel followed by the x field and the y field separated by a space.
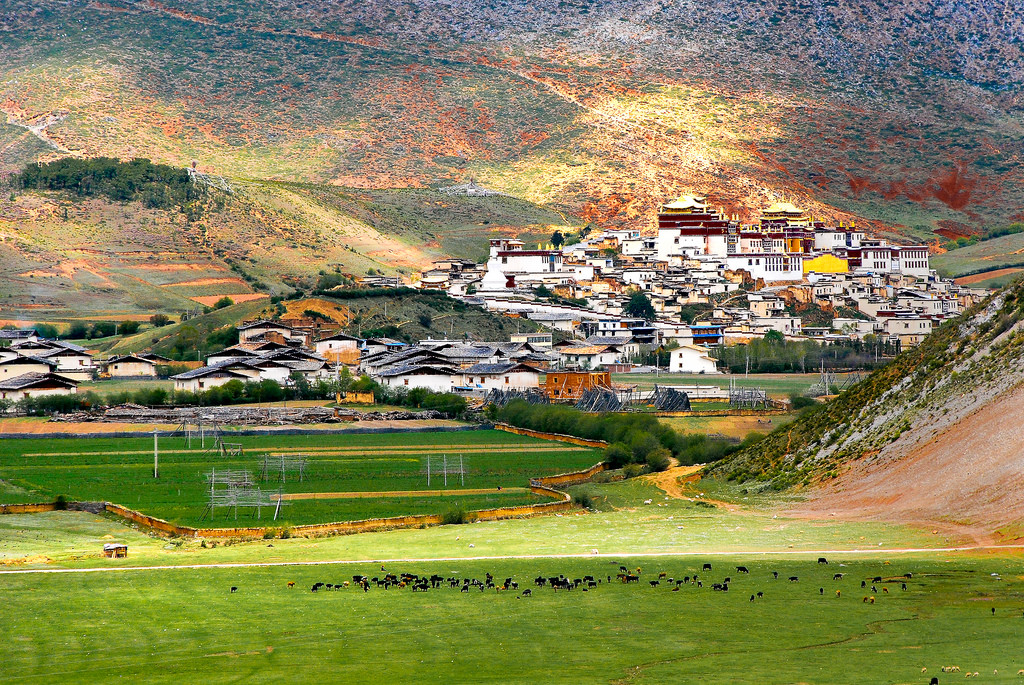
pixel 407 381
pixel 506 380
pixel 202 384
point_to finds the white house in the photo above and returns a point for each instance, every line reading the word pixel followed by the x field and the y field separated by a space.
pixel 204 378
pixel 691 359
pixel 339 346
pixel 131 366
pixel 36 385
pixel 17 366
pixel 505 376
pixel 592 356
pixel 436 378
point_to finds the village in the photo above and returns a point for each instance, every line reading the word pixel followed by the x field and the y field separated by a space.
pixel 610 303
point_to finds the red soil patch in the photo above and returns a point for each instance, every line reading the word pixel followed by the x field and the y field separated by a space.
pixel 968 480
pixel 207 281
pixel 210 300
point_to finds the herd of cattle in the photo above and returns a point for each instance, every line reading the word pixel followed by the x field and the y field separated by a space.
pixel 626 576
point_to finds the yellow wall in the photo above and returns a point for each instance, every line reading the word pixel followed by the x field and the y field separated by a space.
pixel 826 264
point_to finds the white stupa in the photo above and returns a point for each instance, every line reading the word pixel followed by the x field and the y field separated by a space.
pixel 495 280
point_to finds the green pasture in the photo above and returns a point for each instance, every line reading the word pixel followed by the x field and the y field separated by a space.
pixel 997 253
pixel 121 470
pixel 183 625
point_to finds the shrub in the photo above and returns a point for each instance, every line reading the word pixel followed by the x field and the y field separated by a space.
pixel 658 459
pixel 454 516
pixel 801 402
pixel 159 320
pixel 223 302
pixel 583 499
pixel 61 503
pixel 632 470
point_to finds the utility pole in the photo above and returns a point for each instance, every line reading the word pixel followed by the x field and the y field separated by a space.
pixel 156 454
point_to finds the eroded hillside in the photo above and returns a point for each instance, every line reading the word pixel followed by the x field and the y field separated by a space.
pixel 933 436
pixel 906 115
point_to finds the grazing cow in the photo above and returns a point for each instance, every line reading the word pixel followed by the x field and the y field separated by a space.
pixel 838 576
pixel 655 583
pixel 742 569
pixel 291 583
pixel 876 579
pixel 839 593
pixel 793 579
pixel 675 589
pixel 823 560
pixel 662 575
pixel 465 588
pixel 527 592
pixel 760 595
pixel 863 583
pixel 316 586
pixel 775 575
pixel 821 591
pixel 993 608
pixel 728 579
pixel 903 586
pixel 591 583
pixel 630 578
pixel 933 681
pixel 700 584
pixel 623 569
pixel 885 590
pixel 751 598
pixel 908 576
pixel 874 589
pixel 235 589
pixel 707 567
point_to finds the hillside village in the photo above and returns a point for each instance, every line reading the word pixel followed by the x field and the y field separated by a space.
pixel 712 280
pixel 608 299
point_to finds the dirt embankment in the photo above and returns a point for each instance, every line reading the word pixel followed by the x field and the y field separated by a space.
pixel 968 480
pixel 673 481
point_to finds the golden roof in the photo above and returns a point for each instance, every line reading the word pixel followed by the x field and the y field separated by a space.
pixel 685 203
pixel 784 208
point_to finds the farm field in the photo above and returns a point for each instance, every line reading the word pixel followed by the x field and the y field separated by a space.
pixel 729 426
pixel 112 385
pixel 777 385
pixel 179 625
pixel 121 470
pixel 987 255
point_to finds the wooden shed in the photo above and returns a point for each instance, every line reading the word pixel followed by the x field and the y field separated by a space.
pixel 115 550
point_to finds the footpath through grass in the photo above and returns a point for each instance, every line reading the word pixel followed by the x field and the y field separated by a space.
pixel 121 470
pixel 184 625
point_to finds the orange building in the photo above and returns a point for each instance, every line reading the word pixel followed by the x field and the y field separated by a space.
pixel 566 386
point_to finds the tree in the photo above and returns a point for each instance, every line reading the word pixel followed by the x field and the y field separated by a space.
pixel 223 302
pixel 639 306
pixel 78 330
pixel 543 291
pixel 159 320
pixel 46 330
pixel 774 337
pixel 557 239
pixel 128 327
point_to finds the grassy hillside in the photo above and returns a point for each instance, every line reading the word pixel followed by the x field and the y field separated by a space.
pixel 965 365
pixel 988 255
pixel 65 257
pixel 903 115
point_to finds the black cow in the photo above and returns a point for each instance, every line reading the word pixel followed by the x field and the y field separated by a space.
pixel 707 567
pixel 527 592
pixel 838 576
pixel 775 575
pixel 822 560
pixel 793 579
pixel 234 589
pixel 742 569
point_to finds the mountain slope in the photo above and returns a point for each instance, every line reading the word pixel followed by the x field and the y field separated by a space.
pixel 906 115
pixel 63 257
pixel 931 436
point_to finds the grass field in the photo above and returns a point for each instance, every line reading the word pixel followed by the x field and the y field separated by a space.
pixel 992 254
pixel 184 625
pixel 121 470
pixel 729 426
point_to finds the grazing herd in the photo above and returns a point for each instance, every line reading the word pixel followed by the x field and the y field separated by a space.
pixel 585 583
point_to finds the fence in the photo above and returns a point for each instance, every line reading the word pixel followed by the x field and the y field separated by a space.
pixel 571 439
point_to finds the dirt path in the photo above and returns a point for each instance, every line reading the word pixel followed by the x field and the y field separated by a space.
pixel 672 482
pixel 810 553
pixel 402 493
pixel 984 276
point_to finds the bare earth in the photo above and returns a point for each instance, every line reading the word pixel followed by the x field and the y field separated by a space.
pixel 969 480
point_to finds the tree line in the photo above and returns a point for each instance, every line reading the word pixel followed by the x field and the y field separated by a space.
pixel 773 354
pixel 633 438
pixel 156 185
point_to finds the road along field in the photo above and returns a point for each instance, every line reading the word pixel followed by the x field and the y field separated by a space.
pixel 183 625
pixel 491 468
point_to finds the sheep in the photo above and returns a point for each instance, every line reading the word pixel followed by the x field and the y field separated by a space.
pixel 648 501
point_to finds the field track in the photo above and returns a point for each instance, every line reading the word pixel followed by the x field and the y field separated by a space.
pixel 341 451
pixel 509 557
pixel 402 493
